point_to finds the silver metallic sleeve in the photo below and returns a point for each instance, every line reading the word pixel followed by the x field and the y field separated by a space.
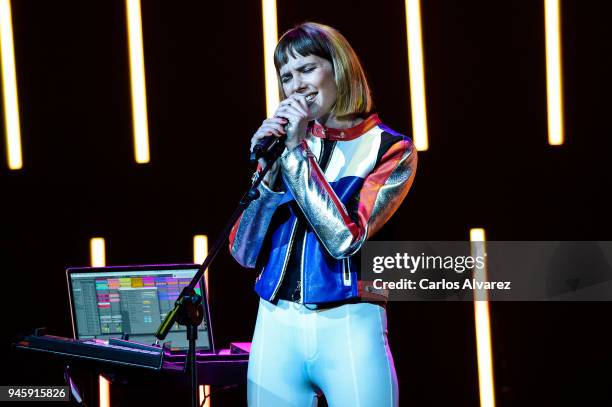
pixel 342 231
pixel 328 217
pixel 397 167
pixel 248 233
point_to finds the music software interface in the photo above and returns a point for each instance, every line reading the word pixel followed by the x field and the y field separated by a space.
pixel 134 302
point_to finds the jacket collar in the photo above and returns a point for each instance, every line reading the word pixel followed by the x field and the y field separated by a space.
pixel 351 133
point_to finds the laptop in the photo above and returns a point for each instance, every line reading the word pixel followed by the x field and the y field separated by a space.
pixel 130 302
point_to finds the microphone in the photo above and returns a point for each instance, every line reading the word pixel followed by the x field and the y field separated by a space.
pixel 266 145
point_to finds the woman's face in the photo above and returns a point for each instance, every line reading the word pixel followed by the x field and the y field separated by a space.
pixel 312 77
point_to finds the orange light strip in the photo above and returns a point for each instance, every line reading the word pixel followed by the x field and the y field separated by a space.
pixel 137 80
pixel 200 251
pixel 204 391
pixel 417 76
pixel 97 255
pixel 554 77
pixel 270 37
pixel 482 324
pixel 97 250
pixel 12 126
pixel 104 389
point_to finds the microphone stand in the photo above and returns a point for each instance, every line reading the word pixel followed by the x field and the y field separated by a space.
pixel 188 309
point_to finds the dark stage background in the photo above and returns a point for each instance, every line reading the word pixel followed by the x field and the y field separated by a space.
pixel 489 165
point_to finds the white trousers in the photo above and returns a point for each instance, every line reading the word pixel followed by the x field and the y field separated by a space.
pixel 342 352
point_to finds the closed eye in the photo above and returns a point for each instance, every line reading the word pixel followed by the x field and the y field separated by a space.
pixel 303 69
pixel 307 68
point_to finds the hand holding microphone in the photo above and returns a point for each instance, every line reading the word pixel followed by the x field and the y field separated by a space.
pixel 296 110
pixel 290 120
pixel 270 131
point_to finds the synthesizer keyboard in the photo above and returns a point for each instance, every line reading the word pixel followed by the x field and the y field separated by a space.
pixel 124 354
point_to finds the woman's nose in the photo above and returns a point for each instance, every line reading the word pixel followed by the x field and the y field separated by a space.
pixel 298 84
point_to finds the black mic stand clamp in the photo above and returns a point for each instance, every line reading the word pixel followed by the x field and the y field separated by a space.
pixel 191 314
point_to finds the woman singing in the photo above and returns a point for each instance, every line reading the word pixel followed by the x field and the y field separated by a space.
pixel 341 177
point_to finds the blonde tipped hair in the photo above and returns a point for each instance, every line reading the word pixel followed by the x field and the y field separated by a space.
pixel 354 95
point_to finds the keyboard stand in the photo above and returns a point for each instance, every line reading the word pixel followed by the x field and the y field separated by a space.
pixel 130 379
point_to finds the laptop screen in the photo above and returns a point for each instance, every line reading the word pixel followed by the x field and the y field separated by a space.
pixel 108 302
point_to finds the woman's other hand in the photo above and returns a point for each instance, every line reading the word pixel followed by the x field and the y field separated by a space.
pixel 295 109
pixel 272 127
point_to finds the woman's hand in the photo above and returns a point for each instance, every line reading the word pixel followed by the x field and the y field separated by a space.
pixel 291 118
pixel 272 127
pixel 295 109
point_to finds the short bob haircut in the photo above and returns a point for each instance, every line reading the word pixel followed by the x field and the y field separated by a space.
pixel 354 95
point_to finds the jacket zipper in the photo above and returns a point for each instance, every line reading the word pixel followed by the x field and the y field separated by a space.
pixel 286 259
pixel 291 240
pixel 346 265
pixel 301 282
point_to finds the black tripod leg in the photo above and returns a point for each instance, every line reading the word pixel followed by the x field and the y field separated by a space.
pixel 193 336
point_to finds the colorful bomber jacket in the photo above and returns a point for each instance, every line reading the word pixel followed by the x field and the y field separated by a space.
pixel 366 177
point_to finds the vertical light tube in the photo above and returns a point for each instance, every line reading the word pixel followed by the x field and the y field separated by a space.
pixel 200 251
pixel 204 391
pixel 482 324
pixel 12 127
pixel 417 77
pixel 97 255
pixel 554 78
pixel 137 80
pixel 104 389
pixel 270 37
pixel 97 250
pixel 477 235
